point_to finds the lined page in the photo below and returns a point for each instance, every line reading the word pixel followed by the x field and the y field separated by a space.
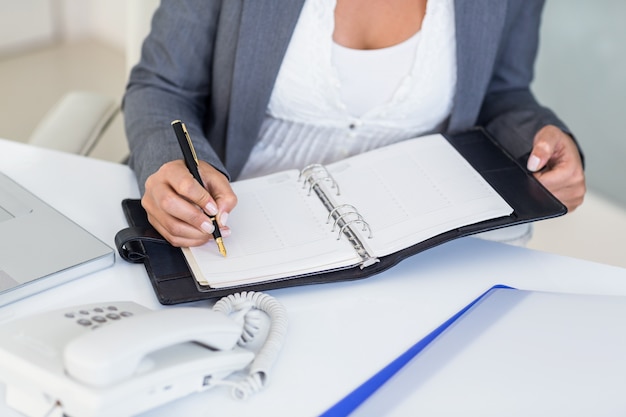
pixel 414 190
pixel 278 230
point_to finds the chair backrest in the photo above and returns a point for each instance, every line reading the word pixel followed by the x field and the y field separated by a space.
pixel 96 129
pixel 75 123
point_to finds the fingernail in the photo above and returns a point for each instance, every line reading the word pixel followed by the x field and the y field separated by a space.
pixel 533 163
pixel 207 227
pixel 225 232
pixel 223 218
pixel 211 209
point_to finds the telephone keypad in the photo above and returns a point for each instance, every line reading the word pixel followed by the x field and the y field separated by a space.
pixel 97 316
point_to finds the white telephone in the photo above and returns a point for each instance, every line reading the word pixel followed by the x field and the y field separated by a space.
pixel 120 359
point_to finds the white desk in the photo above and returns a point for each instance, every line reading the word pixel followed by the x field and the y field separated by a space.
pixel 339 334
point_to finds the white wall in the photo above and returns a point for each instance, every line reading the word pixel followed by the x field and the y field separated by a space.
pixel 25 23
pixel 104 20
pixel 581 74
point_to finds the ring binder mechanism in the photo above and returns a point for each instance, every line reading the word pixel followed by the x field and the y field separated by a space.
pixel 315 175
pixel 310 176
pixel 342 206
pixel 395 201
pixel 342 218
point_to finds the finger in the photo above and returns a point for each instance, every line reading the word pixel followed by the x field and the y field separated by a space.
pixel 571 196
pixel 200 203
pixel 178 205
pixel 542 152
pixel 557 164
pixel 176 215
pixel 181 234
pixel 567 185
pixel 189 188
pixel 220 190
pixel 566 181
pixel 190 215
pixel 178 233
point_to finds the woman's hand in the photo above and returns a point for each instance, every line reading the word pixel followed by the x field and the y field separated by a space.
pixel 178 206
pixel 556 162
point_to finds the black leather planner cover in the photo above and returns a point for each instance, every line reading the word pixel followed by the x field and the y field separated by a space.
pixel 173 282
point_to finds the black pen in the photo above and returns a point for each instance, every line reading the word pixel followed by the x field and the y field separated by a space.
pixel 191 160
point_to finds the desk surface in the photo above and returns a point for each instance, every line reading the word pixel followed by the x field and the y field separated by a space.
pixel 339 334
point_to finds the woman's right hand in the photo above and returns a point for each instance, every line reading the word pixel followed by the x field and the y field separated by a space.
pixel 178 206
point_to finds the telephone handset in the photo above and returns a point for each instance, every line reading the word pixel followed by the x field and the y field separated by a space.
pixel 119 359
pixel 115 352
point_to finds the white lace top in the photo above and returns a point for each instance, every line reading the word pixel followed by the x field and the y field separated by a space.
pixel 330 102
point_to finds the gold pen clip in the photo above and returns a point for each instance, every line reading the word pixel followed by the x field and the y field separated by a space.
pixel 193 150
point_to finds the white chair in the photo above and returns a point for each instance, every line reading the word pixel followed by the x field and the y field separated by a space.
pixel 76 122
pixel 95 119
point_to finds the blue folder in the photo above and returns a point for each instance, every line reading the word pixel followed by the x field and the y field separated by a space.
pixel 349 403
pixel 509 352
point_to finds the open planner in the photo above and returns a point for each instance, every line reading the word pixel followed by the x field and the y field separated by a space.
pixel 347 214
pixel 349 219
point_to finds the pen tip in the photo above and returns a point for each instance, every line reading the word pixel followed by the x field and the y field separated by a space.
pixel 220 246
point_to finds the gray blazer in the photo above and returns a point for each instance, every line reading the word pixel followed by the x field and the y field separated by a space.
pixel 213 63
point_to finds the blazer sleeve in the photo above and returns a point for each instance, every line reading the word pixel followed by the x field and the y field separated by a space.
pixel 171 81
pixel 510 111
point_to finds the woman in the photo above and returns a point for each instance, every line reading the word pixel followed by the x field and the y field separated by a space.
pixel 266 85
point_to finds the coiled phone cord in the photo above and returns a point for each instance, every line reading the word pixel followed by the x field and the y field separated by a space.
pixel 246 308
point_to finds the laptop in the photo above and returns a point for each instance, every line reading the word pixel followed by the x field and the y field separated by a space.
pixel 41 248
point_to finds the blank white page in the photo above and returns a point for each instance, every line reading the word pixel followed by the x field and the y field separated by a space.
pixel 414 190
pixel 518 354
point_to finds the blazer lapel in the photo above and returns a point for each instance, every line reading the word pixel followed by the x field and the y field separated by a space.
pixel 265 31
pixel 479 25
pixel 266 27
